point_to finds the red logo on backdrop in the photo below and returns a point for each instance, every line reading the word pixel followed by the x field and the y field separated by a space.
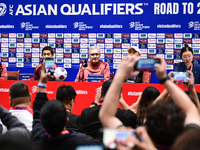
pixel 117 46
pixel 4 59
pixel 160 45
pixel 67 55
pixel 12 49
pixel 108 55
pixel 187 40
pixel 125 35
pixel 59 40
pixel 37 45
pixel 177 51
pixel 169 35
pixel 151 55
pixel 84 35
pixel 4 35
pixel 169 61
pixel 43 35
pixel 100 40
pixel 142 40
pixel 75 45
pixel 20 40
pixel 196 57
pixel 27 54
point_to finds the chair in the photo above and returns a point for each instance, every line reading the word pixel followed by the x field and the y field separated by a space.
pixel 13 75
pixel 112 75
pixel 149 77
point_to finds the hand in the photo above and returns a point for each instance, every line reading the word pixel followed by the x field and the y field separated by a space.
pixel 145 143
pixel 44 77
pixel 98 96
pixel 161 68
pixel 125 68
pixel 121 99
pixel 190 80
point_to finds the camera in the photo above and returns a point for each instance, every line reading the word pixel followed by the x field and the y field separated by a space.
pixel 49 65
pixel 146 64
pixel 181 77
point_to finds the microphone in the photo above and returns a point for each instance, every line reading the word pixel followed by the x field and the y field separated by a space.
pixel 84 64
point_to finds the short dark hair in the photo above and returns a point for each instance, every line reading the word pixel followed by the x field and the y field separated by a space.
pixel 105 87
pixel 48 48
pixel 53 117
pixel 186 48
pixel 19 89
pixel 164 122
pixel 65 93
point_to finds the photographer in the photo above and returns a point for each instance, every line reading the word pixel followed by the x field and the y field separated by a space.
pixel 173 122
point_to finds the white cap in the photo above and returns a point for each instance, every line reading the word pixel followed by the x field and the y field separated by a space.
pixel 134 48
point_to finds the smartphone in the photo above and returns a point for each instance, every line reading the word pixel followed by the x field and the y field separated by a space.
pixel 181 76
pixel 110 136
pixel 49 65
pixel 146 64
pixel 89 147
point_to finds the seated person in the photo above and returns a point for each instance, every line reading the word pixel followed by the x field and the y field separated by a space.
pixel 143 76
pixel 20 103
pixel 95 66
pixel 3 72
pixel 89 123
pixel 50 119
pixel 187 64
pixel 47 51
pixel 164 119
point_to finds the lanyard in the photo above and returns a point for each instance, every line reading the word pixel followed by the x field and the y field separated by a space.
pixel 22 108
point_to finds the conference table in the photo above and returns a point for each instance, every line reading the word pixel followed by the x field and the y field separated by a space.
pixel 86 91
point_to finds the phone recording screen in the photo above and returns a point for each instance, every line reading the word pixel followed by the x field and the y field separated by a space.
pixel 181 76
pixel 146 64
pixel 49 65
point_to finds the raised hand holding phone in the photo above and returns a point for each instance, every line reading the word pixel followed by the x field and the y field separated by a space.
pixel 49 65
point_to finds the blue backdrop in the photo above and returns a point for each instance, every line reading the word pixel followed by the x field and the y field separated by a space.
pixel 71 27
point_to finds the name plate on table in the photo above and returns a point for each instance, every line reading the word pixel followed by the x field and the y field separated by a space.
pixel 95 78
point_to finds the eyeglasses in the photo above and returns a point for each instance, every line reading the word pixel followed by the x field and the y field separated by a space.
pixel 185 57
pixel 95 54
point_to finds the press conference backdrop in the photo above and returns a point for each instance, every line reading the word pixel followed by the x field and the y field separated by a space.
pixel 71 27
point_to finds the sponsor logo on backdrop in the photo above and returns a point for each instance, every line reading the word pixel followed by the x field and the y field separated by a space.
pixel 151 35
pixel 178 35
pixel 169 40
pixel 170 67
pixel 194 24
pixel 4 39
pixel 138 26
pixel 8 26
pixel 81 26
pixel 187 40
pixel 60 26
pixel 169 26
pixel 151 40
pixel 109 26
pixel 28 26
pixel 177 60
pixel 3 9
pixel 169 35
pixel 134 35
pixel 161 35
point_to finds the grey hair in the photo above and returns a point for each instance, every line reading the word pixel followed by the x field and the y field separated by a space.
pixel 94 47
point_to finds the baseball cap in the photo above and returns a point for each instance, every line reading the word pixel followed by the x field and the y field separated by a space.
pixel 134 48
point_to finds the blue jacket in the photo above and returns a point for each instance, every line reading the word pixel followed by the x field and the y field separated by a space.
pixel 180 67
